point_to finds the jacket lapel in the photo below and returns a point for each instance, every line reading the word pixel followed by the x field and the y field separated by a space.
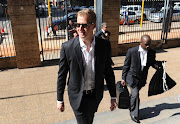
pixel 78 54
pixel 138 57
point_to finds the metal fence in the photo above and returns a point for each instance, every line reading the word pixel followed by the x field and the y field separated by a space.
pixel 52 36
pixel 152 20
pixel 51 33
pixel 6 38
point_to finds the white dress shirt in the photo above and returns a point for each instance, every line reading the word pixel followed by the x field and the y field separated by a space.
pixel 143 56
pixel 103 31
pixel 88 64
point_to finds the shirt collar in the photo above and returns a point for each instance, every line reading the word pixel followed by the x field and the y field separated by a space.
pixel 103 31
pixel 83 45
pixel 141 49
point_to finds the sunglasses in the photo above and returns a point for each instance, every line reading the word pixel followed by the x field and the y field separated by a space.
pixel 83 25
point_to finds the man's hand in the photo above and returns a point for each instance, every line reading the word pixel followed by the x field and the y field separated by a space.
pixel 113 104
pixel 61 106
pixel 123 83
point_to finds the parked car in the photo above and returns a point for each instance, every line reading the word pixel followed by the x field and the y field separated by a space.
pixel 138 10
pixel 158 16
pixel 131 8
pixel 91 7
pixel 76 8
pixel 133 18
pixel 61 23
pixel 69 8
pixel 177 6
pixel 83 7
pixel 40 10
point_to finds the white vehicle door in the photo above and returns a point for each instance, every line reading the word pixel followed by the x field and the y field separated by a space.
pixel 121 17
pixel 176 15
pixel 131 15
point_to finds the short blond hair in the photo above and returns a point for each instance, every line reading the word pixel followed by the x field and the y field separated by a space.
pixel 89 13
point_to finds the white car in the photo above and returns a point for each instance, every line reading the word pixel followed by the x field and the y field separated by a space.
pixel 133 18
pixel 137 9
pixel 176 6
pixel 158 16
pixel 131 8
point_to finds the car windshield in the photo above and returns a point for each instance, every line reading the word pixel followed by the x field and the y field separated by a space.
pixel 64 17
pixel 123 7
pixel 69 15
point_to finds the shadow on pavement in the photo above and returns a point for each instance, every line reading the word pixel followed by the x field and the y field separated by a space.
pixel 175 114
pixel 11 97
pixel 160 51
pixel 50 62
pixel 151 112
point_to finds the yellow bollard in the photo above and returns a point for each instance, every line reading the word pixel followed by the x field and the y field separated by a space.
pixel 49 9
pixel 5 12
pixel 142 12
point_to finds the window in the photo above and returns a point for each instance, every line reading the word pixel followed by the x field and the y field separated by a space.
pixel 135 8
pixel 131 13
pixel 130 8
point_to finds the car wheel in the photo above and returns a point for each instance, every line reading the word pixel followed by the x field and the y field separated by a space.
pixel 136 22
pixel 161 20
pixel 144 17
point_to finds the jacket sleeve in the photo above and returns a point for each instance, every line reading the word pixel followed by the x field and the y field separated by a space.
pixel 62 74
pixel 99 34
pixel 109 73
pixel 126 66
pixel 155 63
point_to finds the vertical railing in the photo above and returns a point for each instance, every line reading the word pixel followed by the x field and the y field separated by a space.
pixel 150 25
pixel 51 34
pixel 7 48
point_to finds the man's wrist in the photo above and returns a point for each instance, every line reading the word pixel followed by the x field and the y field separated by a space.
pixel 113 98
pixel 60 102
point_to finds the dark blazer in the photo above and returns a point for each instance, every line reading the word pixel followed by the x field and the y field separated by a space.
pixel 132 73
pixel 101 35
pixel 71 61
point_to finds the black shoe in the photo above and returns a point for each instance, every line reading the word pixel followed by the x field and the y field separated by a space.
pixel 135 119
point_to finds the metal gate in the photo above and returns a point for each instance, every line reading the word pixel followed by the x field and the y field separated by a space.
pixel 51 24
pixel 7 48
pixel 151 22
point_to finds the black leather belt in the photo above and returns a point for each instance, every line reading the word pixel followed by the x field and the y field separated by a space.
pixel 89 91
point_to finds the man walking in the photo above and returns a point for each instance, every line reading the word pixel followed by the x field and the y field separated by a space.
pixel 105 34
pixel 87 60
pixel 126 20
pixel 135 71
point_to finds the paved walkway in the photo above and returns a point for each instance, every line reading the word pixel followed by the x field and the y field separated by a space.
pixel 162 111
pixel 28 96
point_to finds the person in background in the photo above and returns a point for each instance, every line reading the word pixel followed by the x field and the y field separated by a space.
pixel 126 20
pixel 86 59
pixel 52 28
pixel 105 34
pixel 136 65
pixel 71 29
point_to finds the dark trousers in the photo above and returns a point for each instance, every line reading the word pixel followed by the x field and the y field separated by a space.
pixel 89 105
pixel 134 101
